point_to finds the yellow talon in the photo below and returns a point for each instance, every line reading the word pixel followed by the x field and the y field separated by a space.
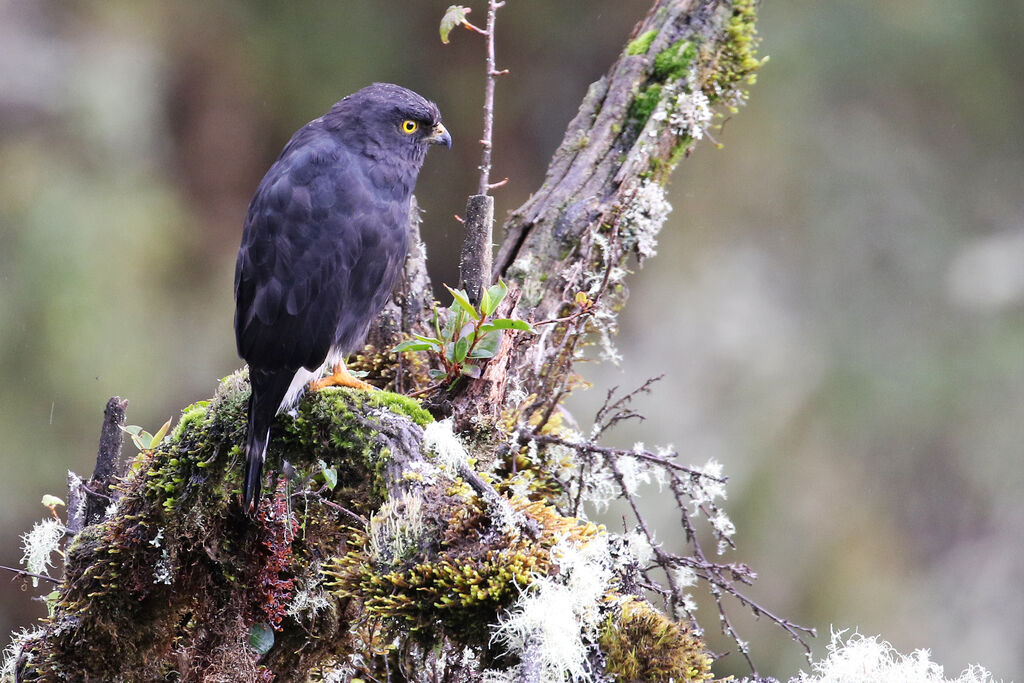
pixel 340 378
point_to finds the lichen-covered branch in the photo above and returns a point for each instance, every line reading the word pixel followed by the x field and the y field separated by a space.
pixel 603 199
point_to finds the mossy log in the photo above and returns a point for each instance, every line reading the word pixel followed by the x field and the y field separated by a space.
pixel 370 537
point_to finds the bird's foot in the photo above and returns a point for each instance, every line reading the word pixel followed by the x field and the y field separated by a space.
pixel 340 378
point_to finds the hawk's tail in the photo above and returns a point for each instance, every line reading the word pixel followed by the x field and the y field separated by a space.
pixel 268 390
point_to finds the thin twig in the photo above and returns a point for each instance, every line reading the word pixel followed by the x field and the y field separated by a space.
pixel 613 412
pixel 96 493
pixel 492 74
pixel 22 573
pixel 590 447
pixel 334 506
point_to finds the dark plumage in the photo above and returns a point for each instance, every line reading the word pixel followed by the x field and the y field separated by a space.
pixel 324 241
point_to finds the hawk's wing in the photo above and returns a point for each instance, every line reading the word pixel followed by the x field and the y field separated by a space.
pixel 311 252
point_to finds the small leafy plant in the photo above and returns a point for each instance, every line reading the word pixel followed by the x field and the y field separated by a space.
pixel 467 335
pixel 454 16
pixel 145 441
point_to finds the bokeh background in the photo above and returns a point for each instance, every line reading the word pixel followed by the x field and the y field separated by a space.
pixel 837 304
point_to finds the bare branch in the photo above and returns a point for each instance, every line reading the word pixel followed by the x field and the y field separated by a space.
pixel 24 574
pixel 492 74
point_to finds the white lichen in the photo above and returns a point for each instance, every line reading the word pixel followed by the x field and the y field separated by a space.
pixel 691 114
pixel 516 394
pixel 708 488
pixel 38 544
pixel 684 577
pixel 636 471
pixel 600 488
pixel 689 605
pixel 422 470
pixel 685 108
pixel 163 569
pixel 724 529
pixel 510 675
pixel 520 485
pixel 860 659
pixel 639 547
pixel 75 483
pixel 555 619
pixel 396 528
pixel 440 439
pixel 643 218
pixel 339 673
pixel 14 649
pixel 310 599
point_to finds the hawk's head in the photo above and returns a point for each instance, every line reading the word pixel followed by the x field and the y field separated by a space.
pixel 387 118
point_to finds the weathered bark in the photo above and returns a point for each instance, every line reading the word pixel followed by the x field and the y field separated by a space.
pixel 570 234
pixel 410 545
pixel 108 465
pixel 475 263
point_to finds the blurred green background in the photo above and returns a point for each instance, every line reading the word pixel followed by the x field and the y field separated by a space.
pixel 837 304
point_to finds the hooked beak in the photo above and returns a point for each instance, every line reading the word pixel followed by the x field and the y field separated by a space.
pixel 440 136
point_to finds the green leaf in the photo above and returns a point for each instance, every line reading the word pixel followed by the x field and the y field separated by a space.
pixel 330 474
pixel 488 345
pixel 51 599
pixel 486 308
pixel 428 340
pixel 435 323
pixel 434 373
pixel 449 327
pixel 261 638
pixel 470 370
pixel 495 294
pixel 157 438
pixel 454 16
pixel 462 299
pixel 461 349
pixel 467 331
pixel 52 501
pixel 506 324
pixel 142 440
pixel 412 345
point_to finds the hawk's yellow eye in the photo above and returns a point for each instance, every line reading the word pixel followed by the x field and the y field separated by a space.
pixel 409 126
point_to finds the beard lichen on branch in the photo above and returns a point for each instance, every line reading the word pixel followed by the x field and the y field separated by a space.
pixel 605 201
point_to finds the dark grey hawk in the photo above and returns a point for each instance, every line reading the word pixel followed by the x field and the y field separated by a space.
pixel 324 242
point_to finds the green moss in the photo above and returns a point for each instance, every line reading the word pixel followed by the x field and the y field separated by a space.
pixel 460 585
pixel 643 104
pixel 736 60
pixel 673 62
pixel 401 405
pixel 191 417
pixel 180 500
pixel 642 644
pixel 642 44
pixel 660 170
